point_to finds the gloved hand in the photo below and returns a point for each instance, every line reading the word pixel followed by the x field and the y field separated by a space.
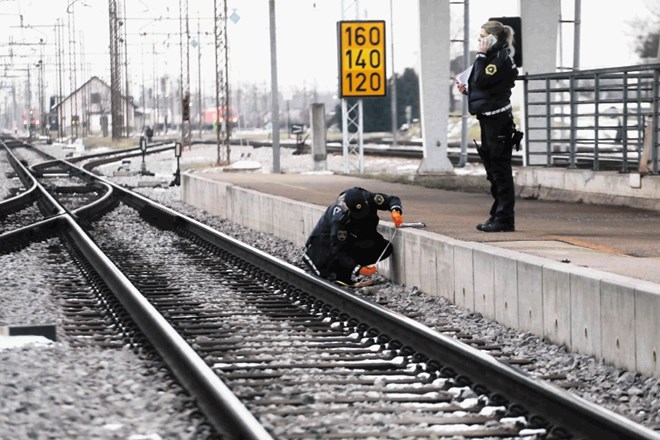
pixel 367 271
pixel 397 218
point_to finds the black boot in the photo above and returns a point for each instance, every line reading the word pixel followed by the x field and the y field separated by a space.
pixel 490 220
pixel 499 226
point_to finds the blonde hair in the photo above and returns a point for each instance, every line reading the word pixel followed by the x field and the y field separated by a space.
pixel 502 32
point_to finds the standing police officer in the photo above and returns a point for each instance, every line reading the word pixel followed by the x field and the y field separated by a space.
pixel 345 243
pixel 488 88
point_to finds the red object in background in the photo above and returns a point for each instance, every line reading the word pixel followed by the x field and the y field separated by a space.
pixel 210 115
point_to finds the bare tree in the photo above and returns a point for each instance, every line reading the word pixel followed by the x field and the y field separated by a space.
pixel 647 31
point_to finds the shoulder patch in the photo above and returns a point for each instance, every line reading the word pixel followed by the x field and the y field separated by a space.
pixel 490 69
pixel 342 235
pixel 379 199
pixel 336 211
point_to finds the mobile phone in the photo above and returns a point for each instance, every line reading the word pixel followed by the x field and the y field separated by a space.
pixel 491 39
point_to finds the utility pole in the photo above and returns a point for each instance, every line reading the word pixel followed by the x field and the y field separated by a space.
pixel 75 117
pixel 29 105
pixel 60 78
pixel 40 66
pixel 144 98
pixel 115 71
pixel 84 92
pixel 156 95
pixel 393 96
pixel 275 108
pixel 221 83
pixel 200 106
pixel 184 32
pixel 127 93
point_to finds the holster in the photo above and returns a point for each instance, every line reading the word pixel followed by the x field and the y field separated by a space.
pixel 516 138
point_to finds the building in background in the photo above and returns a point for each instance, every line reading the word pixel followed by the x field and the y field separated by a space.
pixel 87 111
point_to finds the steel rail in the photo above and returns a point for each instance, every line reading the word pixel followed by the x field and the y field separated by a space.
pixel 221 407
pixel 118 152
pixel 109 157
pixel 47 204
pixel 31 233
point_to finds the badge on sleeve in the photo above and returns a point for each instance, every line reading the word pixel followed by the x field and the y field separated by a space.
pixel 379 199
pixel 491 69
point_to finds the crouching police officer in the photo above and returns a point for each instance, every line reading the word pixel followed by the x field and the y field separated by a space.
pixel 345 243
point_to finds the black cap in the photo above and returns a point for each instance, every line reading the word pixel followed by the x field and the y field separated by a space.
pixel 356 203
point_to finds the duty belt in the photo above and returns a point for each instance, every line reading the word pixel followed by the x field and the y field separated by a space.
pixel 499 110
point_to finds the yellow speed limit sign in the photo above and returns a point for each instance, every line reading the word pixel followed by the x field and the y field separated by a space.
pixel 361 58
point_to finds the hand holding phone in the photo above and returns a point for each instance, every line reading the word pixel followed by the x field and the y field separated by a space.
pixel 485 43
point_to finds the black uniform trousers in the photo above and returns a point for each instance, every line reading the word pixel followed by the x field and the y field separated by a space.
pixel 339 265
pixel 495 152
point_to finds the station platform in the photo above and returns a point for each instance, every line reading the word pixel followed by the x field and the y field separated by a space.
pixel 585 276
pixel 615 239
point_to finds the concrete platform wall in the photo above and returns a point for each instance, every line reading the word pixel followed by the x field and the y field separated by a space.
pixel 602 187
pixel 611 317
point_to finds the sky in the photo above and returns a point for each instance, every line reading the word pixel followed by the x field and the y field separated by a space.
pixel 306 36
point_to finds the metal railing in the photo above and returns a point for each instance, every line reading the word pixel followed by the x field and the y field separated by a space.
pixel 598 119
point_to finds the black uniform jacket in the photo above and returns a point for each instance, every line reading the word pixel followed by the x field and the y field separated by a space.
pixel 491 80
pixel 336 231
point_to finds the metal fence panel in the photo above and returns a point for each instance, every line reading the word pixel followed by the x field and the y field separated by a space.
pixel 598 119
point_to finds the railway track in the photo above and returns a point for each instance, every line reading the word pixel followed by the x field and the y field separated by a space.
pixel 375 146
pixel 268 350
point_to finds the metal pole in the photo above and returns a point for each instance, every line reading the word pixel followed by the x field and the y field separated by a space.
pixel 116 109
pixel 288 118
pixel 181 75
pixel 275 108
pixel 216 121
pixel 155 98
pixel 221 81
pixel 42 110
pixel 464 102
pixel 393 97
pixel 144 97
pixel 84 91
pixel 360 138
pixel 127 94
pixel 60 76
pixel 199 77
pixel 227 91
pixel 349 121
pixel 576 38
pixel 184 64
pixel 29 105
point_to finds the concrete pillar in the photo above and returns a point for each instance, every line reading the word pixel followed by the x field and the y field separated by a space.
pixel 540 24
pixel 319 138
pixel 434 81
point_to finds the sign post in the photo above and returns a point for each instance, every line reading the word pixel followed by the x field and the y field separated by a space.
pixel 177 173
pixel 361 74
